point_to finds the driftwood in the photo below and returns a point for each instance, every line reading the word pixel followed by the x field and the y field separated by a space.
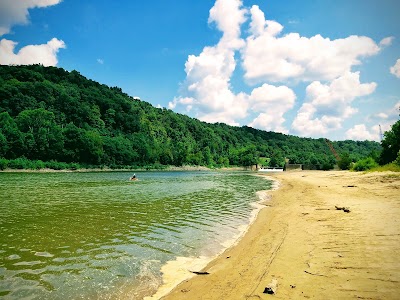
pixel 272 287
pixel 345 209
pixel 314 274
pixel 199 272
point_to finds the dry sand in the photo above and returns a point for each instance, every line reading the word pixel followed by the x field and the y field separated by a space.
pixel 312 249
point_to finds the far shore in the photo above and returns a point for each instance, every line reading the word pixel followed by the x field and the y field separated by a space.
pixel 167 168
pixel 323 235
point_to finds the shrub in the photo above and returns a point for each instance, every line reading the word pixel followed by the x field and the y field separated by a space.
pixel 389 167
pixel 344 161
pixel 74 166
pixel 326 166
pixel 397 161
pixel 20 163
pixel 365 164
pixel 55 165
pixel 38 164
pixel 3 164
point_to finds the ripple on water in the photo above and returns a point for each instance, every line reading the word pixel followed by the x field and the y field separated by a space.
pixel 115 234
pixel 44 254
pixel 59 259
pixel 29 263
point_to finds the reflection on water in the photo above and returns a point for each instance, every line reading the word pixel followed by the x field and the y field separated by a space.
pixel 71 235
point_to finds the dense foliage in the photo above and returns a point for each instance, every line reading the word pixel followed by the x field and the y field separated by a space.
pixel 391 144
pixel 365 164
pixel 49 114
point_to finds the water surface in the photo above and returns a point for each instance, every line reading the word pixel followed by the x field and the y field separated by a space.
pixel 80 235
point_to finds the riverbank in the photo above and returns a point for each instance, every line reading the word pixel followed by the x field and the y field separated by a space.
pixel 106 169
pixel 305 241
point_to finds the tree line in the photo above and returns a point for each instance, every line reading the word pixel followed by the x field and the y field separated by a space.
pixel 48 114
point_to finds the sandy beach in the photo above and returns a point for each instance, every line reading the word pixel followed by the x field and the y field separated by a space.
pixel 323 235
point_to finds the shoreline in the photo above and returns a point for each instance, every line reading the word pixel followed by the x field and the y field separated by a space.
pixel 310 247
pixel 166 169
pixel 176 271
pixel 47 170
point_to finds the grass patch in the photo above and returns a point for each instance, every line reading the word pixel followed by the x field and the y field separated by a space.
pixel 389 167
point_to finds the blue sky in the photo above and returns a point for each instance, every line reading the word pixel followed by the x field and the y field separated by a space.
pixel 316 68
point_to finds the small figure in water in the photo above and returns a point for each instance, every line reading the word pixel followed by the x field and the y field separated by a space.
pixel 133 177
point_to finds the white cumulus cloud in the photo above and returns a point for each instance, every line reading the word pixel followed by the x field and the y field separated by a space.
pixel 228 15
pixel 270 56
pixel 360 133
pixel 379 122
pixel 395 70
pixel 272 103
pixel 388 117
pixel 45 54
pixel 16 12
pixel 207 85
pixel 327 105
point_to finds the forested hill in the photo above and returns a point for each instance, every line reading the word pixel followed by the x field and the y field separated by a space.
pixel 47 113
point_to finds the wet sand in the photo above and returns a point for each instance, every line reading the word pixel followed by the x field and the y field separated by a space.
pixel 311 248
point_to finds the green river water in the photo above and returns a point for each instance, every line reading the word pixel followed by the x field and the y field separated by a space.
pixel 89 235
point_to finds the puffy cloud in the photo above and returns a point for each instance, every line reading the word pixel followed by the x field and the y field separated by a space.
pixel 272 102
pixel 269 57
pixel 327 106
pixel 100 61
pixel 361 133
pixel 16 12
pixel 259 25
pixel 269 96
pixel 388 117
pixel 395 70
pixel 45 54
pixel 187 101
pixel 207 89
pixel 269 122
pixel 382 122
pixel 208 86
pixel 228 15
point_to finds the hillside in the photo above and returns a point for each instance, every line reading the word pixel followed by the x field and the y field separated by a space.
pixel 49 114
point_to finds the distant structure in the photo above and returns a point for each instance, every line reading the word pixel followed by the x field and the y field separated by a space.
pixel 380 132
pixel 136 98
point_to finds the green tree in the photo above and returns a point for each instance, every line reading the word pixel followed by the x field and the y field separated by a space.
pixel 344 161
pixel 249 156
pixel 13 142
pixel 82 146
pixel 92 147
pixel 3 145
pixel 277 160
pixel 73 137
pixel 365 164
pixel 44 137
pixel 102 125
pixel 119 151
pixel 390 144
pixel 207 156
pixel 397 161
